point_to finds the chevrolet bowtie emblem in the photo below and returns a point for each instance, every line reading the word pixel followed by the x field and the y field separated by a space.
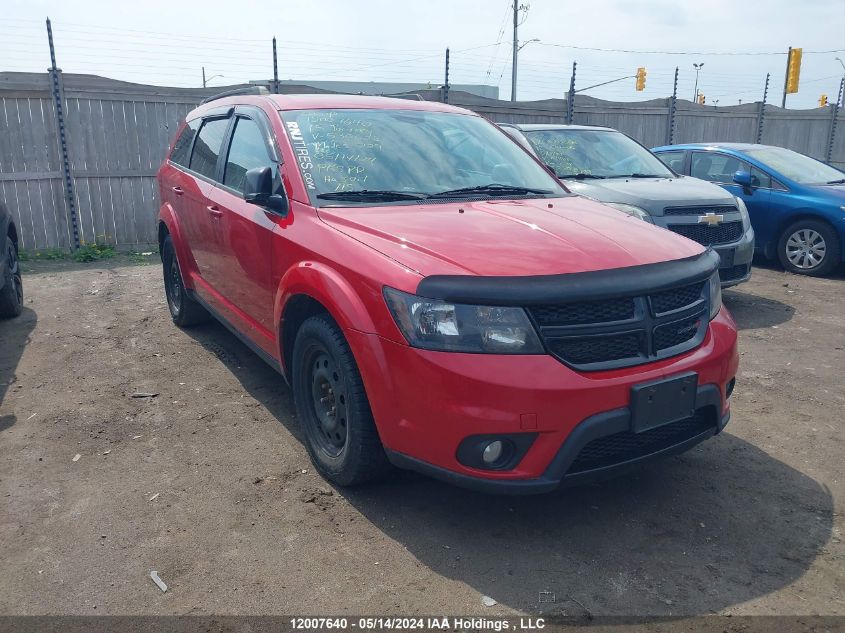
pixel 711 219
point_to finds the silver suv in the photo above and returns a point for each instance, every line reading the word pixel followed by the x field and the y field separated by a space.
pixel 608 166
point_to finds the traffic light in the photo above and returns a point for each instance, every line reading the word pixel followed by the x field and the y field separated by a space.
pixel 793 70
pixel 700 98
pixel 641 73
pixel 822 101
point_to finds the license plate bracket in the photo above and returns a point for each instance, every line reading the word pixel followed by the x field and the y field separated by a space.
pixel 663 401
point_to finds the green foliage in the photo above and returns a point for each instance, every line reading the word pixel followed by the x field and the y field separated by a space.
pixel 47 254
pixel 93 252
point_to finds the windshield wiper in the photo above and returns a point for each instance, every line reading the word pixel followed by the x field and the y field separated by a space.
pixel 841 181
pixel 384 195
pixel 580 176
pixel 493 189
pixel 638 175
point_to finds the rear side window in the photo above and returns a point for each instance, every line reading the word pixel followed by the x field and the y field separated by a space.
pixel 182 146
pixel 673 160
pixel 247 151
pixel 207 147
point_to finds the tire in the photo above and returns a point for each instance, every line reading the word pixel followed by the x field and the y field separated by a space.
pixel 809 247
pixel 184 311
pixel 11 295
pixel 332 406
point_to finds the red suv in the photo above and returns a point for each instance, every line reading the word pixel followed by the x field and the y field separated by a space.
pixel 435 298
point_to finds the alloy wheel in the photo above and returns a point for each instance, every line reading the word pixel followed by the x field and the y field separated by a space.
pixel 806 249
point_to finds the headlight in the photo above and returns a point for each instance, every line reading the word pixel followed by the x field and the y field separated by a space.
pixel 453 327
pixel 715 295
pixel 743 211
pixel 630 209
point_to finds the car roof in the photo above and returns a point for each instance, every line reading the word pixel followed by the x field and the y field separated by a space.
pixel 532 127
pixel 739 147
pixel 327 101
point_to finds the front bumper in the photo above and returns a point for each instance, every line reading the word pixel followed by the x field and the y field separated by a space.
pixel 735 266
pixel 426 403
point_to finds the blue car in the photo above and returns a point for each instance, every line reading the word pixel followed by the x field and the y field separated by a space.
pixel 796 203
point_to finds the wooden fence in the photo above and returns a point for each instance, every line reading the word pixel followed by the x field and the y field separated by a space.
pixel 117 134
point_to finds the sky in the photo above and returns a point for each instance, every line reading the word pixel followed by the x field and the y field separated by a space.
pixel 168 43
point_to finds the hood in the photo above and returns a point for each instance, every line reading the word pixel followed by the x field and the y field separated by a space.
pixel 653 194
pixel 509 238
pixel 836 192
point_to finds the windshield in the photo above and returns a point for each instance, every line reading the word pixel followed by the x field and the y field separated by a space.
pixel 802 169
pixel 595 153
pixel 395 155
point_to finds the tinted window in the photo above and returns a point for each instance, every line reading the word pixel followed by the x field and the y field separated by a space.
pixel 247 151
pixel 716 167
pixel 207 147
pixel 759 178
pixel 673 160
pixel 600 153
pixel 182 146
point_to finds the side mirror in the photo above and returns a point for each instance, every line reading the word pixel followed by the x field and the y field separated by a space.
pixel 258 189
pixel 743 179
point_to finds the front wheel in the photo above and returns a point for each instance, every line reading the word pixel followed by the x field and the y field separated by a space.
pixel 11 294
pixel 809 247
pixel 332 406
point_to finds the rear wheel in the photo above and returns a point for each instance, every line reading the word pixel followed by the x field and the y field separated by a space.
pixel 332 406
pixel 11 295
pixel 809 247
pixel 183 309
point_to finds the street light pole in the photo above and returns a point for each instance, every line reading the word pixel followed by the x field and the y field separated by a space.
pixel 515 48
pixel 697 70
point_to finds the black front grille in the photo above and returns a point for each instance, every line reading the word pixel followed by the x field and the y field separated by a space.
pixel 718 210
pixel 587 312
pixel 733 272
pixel 618 448
pixel 597 349
pixel 709 235
pixel 676 298
pixel 624 331
pixel 676 333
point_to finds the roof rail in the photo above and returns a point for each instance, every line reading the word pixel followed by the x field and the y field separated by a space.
pixel 251 90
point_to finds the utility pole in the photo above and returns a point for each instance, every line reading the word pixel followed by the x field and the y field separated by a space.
pixel 203 76
pixel 761 115
pixel 446 79
pixel 275 69
pixel 516 47
pixel 786 77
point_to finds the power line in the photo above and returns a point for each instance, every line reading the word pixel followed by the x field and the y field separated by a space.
pixel 711 53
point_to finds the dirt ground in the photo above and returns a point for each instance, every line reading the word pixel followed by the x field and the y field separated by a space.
pixel 208 482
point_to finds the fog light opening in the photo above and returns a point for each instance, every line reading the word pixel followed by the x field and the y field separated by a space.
pixel 492 452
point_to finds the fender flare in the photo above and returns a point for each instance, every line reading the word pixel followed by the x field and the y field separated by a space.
pixel 327 286
pixel 187 265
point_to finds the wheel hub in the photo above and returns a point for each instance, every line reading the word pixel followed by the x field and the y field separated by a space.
pixel 806 249
pixel 329 403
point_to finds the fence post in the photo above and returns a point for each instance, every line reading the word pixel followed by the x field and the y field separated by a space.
pixel 275 69
pixel 673 102
pixel 570 99
pixel 833 116
pixel 446 80
pixel 57 89
pixel 761 113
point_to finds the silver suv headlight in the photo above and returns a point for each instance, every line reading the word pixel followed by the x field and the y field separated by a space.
pixel 715 295
pixel 454 327
pixel 630 209
pixel 743 211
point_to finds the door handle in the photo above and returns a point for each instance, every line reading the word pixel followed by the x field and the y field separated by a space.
pixel 215 211
pixel 177 190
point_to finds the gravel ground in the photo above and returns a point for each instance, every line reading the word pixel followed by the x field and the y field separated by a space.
pixel 208 483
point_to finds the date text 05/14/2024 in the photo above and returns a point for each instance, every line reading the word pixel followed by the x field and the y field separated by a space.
pixel 417 623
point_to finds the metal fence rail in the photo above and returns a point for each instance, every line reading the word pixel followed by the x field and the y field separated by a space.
pixel 116 134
